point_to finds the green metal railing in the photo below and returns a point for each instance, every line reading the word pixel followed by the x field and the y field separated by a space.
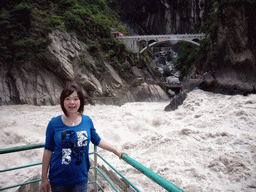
pixel 149 173
pixel 152 175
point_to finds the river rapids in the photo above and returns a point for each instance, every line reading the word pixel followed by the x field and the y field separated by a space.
pixel 207 145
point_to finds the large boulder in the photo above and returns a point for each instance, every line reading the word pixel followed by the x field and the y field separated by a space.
pixel 176 101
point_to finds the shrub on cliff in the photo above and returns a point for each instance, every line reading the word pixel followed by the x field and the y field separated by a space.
pixel 25 25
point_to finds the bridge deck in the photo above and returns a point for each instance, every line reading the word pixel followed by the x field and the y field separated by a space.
pixel 162 36
pixel 134 43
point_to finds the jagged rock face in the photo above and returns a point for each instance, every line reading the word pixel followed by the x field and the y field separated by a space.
pixel 236 36
pixel 28 83
pixel 236 43
pixel 176 101
pixel 164 16
pixel 41 82
pixel 66 50
pixel 239 58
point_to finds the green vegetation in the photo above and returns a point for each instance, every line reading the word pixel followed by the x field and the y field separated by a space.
pixel 187 56
pixel 26 24
pixel 15 24
pixel 87 64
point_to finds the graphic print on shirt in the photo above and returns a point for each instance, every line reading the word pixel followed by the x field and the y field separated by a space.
pixel 73 145
pixel 66 158
pixel 82 138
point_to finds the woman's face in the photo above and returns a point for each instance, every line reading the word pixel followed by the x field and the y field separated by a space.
pixel 72 103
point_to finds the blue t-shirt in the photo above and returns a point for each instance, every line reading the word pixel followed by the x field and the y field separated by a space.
pixel 70 163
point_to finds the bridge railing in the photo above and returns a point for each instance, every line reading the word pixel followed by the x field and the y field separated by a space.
pixel 149 173
pixel 134 43
pixel 162 36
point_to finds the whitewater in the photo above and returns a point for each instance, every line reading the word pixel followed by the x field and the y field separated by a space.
pixel 207 145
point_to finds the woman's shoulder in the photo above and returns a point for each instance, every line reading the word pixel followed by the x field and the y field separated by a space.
pixel 56 119
pixel 86 118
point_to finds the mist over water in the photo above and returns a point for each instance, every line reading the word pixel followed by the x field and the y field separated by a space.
pixel 208 144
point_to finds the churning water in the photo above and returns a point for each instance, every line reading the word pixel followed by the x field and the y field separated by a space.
pixel 208 144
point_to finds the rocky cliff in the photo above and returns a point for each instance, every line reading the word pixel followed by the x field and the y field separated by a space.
pixel 162 17
pixel 232 46
pixel 41 82
pixel 235 42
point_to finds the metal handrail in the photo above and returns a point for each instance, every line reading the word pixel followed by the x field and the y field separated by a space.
pixel 149 173
pixel 21 167
pixel 152 175
pixel 21 148
pixel 18 149
pixel 118 172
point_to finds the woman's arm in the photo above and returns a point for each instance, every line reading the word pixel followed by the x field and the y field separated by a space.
pixel 104 145
pixel 45 166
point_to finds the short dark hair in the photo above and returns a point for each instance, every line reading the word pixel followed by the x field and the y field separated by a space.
pixel 67 91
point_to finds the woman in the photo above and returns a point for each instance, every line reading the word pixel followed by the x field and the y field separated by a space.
pixel 66 153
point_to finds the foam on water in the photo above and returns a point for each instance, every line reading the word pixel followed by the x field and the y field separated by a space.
pixel 207 144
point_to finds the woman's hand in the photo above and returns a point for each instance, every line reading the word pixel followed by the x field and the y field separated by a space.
pixel 45 185
pixel 119 154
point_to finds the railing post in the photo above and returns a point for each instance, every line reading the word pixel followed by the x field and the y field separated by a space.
pixel 95 169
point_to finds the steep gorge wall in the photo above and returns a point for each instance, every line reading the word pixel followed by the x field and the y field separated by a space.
pixel 163 16
pixel 234 41
pixel 41 82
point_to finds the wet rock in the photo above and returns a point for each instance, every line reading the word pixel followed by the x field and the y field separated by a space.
pixel 176 101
